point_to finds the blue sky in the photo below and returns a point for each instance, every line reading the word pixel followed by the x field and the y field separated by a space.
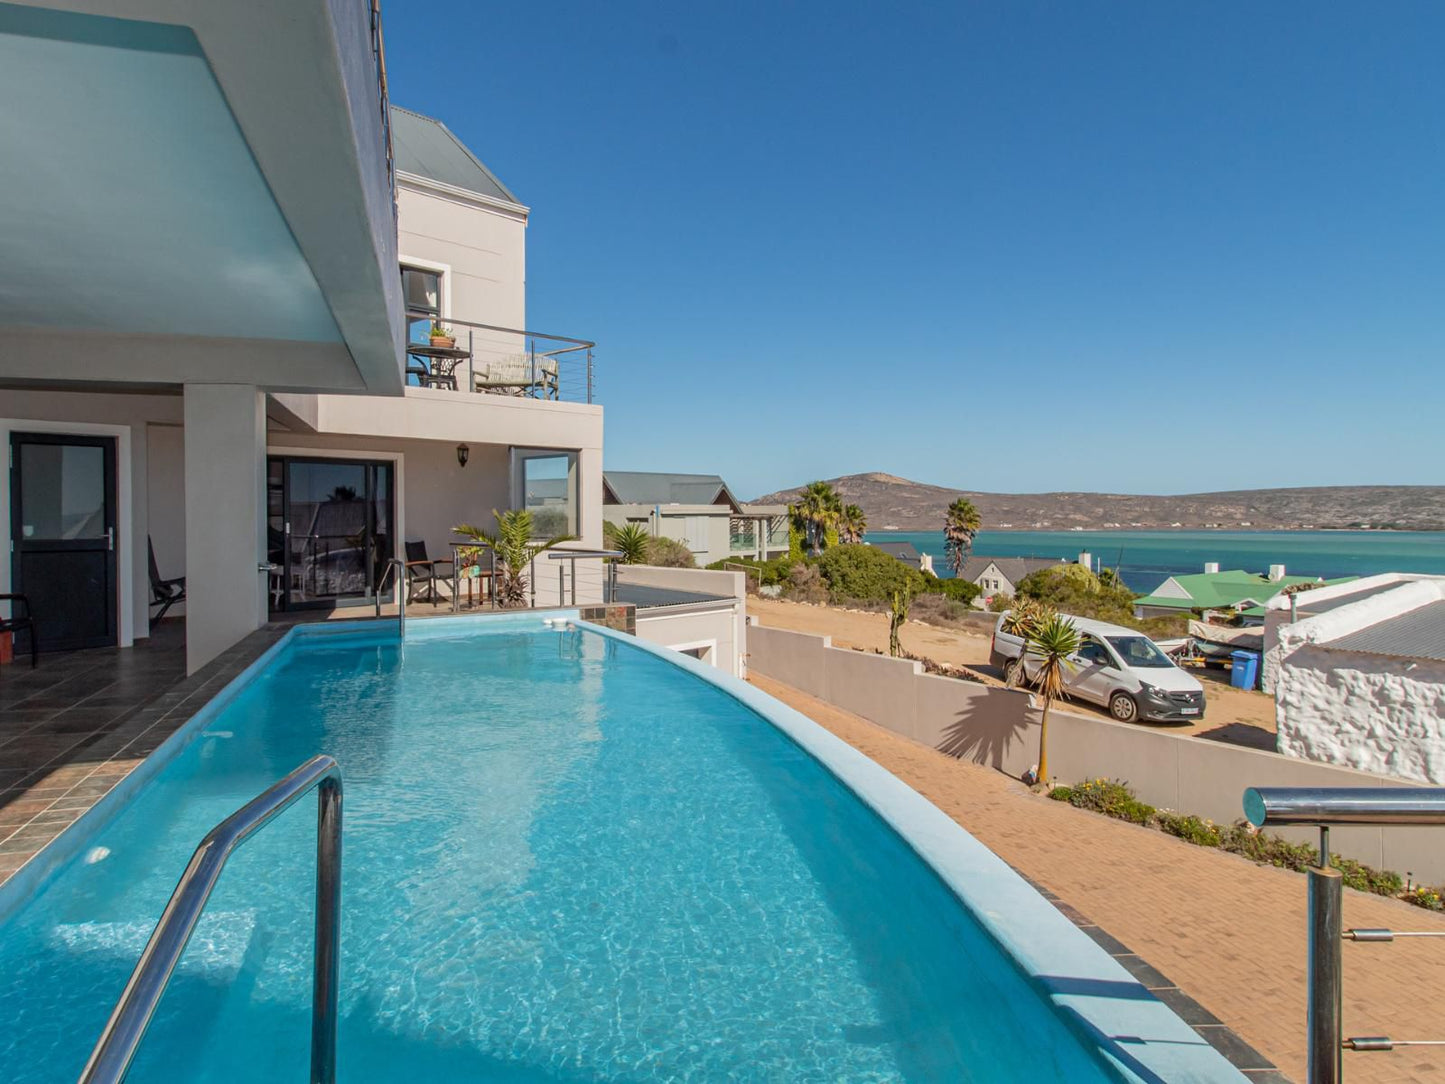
pixel 1006 246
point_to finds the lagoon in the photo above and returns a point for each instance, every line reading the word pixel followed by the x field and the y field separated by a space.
pixel 1146 558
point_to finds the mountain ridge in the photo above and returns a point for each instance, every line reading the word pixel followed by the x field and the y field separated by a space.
pixel 889 500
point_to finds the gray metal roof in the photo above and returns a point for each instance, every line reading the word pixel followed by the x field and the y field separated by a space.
pixel 1414 634
pixel 427 147
pixel 1013 568
pixel 658 487
pixel 651 598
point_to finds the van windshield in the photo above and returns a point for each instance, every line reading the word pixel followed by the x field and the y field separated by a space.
pixel 1139 651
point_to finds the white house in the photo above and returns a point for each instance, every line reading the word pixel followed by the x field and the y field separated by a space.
pixel 207 289
pixel 698 510
pixel 1359 679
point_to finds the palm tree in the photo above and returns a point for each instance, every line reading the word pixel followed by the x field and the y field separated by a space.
pixel 512 543
pixel 960 526
pixel 851 524
pixel 631 540
pixel 815 512
pixel 1051 643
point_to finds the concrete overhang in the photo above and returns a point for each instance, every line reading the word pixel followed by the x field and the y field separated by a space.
pixel 196 191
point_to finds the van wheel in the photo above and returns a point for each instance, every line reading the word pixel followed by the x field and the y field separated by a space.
pixel 1010 671
pixel 1123 708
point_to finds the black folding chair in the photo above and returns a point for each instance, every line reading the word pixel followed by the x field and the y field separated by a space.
pixel 164 593
pixel 20 622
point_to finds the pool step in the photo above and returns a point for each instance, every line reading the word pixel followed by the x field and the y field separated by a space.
pixel 216 950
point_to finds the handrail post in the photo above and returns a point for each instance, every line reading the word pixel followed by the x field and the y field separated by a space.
pixel 1324 1026
pixel 328 932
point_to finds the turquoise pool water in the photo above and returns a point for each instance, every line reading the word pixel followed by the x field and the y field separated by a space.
pixel 566 859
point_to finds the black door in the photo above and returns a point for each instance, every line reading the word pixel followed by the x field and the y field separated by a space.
pixel 329 523
pixel 62 527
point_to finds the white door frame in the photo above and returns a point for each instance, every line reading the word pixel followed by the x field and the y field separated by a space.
pixel 125 556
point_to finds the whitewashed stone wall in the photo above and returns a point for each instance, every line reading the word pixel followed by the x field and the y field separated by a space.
pixel 1368 712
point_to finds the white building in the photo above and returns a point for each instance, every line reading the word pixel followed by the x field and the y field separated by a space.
pixel 698 510
pixel 223 251
pixel 1359 675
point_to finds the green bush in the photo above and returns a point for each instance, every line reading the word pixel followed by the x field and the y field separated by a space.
pixel 1111 798
pixel 955 589
pixel 669 553
pixel 775 571
pixel 866 574
pixel 1190 828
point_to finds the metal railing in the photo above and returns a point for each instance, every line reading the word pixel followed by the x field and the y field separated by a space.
pixel 507 361
pixel 111 1059
pixel 609 560
pixel 396 569
pixel 1324 807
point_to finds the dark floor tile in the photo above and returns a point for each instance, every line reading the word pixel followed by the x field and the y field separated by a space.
pixel 1110 944
pixel 1150 976
pixel 1240 1054
pixel 1185 1007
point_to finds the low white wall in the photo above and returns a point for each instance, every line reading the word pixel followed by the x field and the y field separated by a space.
pixel 694 625
pixel 999 728
pixel 714 630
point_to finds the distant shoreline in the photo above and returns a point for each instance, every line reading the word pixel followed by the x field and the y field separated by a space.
pixel 1180 530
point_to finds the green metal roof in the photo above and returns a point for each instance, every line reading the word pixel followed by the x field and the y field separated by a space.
pixel 1218 590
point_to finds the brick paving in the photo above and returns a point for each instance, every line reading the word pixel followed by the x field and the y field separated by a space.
pixel 1229 933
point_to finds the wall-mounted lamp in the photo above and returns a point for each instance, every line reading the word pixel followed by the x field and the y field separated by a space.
pixel 463 452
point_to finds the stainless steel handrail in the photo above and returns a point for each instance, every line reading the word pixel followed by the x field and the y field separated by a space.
pixel 396 569
pixel 111 1059
pixel 609 557
pixel 1324 807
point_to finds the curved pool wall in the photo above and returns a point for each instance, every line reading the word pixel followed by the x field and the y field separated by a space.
pixel 567 859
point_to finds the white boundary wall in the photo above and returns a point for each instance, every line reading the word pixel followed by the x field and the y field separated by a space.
pixel 999 728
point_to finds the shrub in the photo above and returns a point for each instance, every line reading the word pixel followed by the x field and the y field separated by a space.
pixel 805 584
pixel 775 571
pixel 1111 798
pixel 866 574
pixel 1432 899
pixel 999 603
pixel 1190 828
pixel 669 553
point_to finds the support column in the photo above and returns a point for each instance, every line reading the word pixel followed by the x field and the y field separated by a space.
pixel 225 517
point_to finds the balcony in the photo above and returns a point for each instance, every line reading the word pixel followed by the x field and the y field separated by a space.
pixel 486 359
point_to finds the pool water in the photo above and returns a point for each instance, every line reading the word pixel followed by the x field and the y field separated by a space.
pixel 566 859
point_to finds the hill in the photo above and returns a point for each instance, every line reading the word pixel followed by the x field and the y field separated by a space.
pixel 891 501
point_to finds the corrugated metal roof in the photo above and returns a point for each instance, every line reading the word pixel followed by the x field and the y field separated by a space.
pixel 427 147
pixel 660 487
pixel 904 551
pixel 1414 634
pixel 651 598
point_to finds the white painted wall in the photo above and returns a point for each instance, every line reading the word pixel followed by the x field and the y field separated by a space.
pixel 1372 712
pixel 225 468
pixel 165 501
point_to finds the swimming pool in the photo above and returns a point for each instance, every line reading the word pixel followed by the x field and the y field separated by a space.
pixel 567 858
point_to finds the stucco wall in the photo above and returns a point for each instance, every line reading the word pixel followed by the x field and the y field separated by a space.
pixel 689 630
pixel 1365 711
pixel 999 728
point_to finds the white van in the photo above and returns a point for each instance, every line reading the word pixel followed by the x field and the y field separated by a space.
pixel 1117 668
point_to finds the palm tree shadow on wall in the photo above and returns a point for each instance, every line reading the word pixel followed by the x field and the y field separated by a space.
pixel 984 730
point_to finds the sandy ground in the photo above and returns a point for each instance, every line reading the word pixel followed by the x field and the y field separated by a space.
pixel 1229 933
pixel 1233 715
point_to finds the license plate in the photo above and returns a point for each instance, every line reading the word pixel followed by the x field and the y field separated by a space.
pixel 1188 711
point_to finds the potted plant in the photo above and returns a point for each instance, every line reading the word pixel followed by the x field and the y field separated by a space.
pixel 442 336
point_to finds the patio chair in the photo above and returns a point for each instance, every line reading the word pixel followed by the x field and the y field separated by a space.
pixel 164 593
pixel 422 572
pixel 535 375
pixel 20 622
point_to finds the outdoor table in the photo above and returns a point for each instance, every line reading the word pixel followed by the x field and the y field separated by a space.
pixel 477 579
pixel 440 364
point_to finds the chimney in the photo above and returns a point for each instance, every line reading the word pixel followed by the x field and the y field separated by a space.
pixel 925 563
pixel 1087 560
pixel 1211 567
pixel 1276 573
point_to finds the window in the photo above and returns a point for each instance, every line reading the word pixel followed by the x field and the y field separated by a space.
pixel 1093 653
pixel 545 484
pixel 1140 651
pixel 423 293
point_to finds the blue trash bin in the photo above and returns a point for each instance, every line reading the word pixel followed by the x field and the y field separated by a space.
pixel 1244 669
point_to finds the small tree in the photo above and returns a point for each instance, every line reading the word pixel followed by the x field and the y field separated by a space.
pixel 960 527
pixel 512 543
pixel 816 513
pixel 851 525
pixel 897 615
pixel 1051 643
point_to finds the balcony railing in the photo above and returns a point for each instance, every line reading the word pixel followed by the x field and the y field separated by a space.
pixel 493 360
pixel 378 55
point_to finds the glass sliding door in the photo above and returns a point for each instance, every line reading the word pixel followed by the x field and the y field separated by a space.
pixel 329 522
